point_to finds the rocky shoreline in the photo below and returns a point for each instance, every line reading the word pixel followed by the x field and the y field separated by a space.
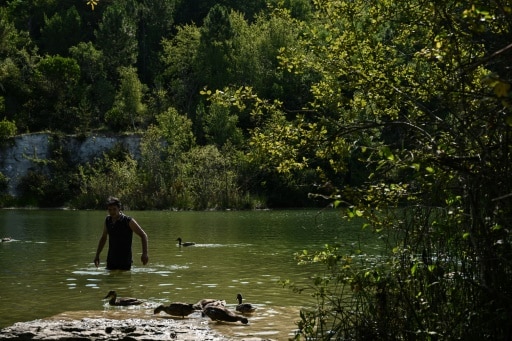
pixel 98 329
pixel 108 329
pixel 136 324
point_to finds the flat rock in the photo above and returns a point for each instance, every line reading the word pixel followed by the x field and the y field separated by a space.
pixel 98 329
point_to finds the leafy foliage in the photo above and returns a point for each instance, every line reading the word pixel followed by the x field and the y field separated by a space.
pixel 7 130
pixel 409 95
pixel 61 31
pixel 115 172
pixel 116 36
pixel 128 109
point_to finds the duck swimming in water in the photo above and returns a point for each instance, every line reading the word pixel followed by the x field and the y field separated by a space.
pixel 221 313
pixel 121 301
pixel 244 308
pixel 176 309
pixel 181 243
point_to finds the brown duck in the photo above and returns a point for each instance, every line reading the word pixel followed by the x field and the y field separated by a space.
pixel 205 301
pixel 121 301
pixel 221 313
pixel 244 308
pixel 176 309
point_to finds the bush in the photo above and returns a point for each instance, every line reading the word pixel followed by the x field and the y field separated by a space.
pixel 31 188
pixel 7 129
pixel 209 178
pixel 105 177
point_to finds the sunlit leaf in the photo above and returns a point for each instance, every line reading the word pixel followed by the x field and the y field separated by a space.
pixel 92 3
pixel 414 268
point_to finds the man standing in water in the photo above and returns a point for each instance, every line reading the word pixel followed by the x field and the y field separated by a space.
pixel 119 228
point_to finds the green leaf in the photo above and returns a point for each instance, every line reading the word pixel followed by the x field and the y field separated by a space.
pixel 414 268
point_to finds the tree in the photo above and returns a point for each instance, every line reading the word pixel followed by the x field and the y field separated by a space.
pixel 128 109
pixel 16 64
pixel 29 16
pixel 176 129
pixel 155 24
pixel 116 36
pixel 57 78
pixel 214 61
pixel 179 58
pixel 398 85
pixel 421 95
pixel 208 178
pixel 153 171
pixel 256 58
pixel 97 93
pixel 163 150
pixel 195 11
pixel 58 73
pixel 61 31
pixel 221 127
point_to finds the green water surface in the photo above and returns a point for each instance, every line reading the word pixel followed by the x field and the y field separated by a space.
pixel 47 268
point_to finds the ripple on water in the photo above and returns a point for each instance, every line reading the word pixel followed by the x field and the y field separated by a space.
pixel 87 272
pixel 159 269
pixel 209 245
pixel 276 323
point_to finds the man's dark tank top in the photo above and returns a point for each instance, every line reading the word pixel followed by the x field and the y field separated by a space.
pixel 119 243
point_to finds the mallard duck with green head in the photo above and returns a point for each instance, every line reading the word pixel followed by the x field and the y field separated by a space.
pixel 176 309
pixel 244 308
pixel 121 301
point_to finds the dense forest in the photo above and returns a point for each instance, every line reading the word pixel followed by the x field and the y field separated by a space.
pixel 397 113
pixel 77 67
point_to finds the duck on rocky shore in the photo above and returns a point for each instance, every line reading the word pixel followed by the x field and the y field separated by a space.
pixel 206 301
pixel 176 309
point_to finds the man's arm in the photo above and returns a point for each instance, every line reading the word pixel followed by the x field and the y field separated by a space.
pixel 101 244
pixel 144 240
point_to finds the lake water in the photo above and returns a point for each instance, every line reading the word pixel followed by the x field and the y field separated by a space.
pixel 47 268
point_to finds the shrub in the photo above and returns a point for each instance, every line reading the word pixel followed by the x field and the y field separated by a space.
pixel 7 129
